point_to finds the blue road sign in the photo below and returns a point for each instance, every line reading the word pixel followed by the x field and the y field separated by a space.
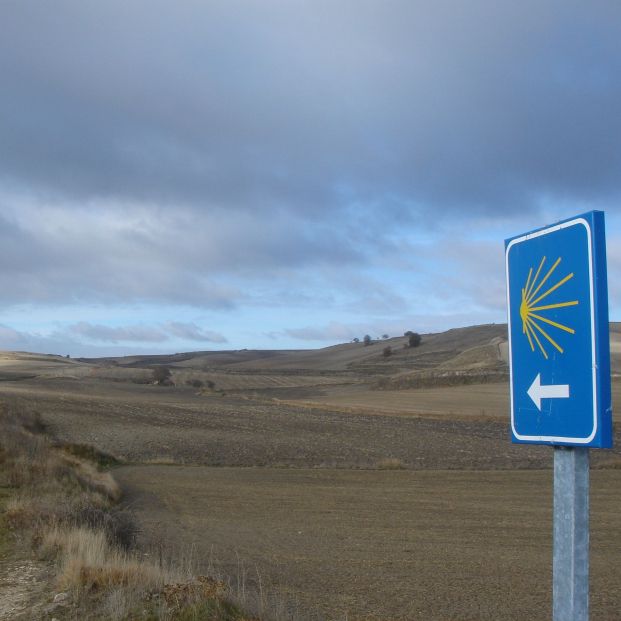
pixel 559 348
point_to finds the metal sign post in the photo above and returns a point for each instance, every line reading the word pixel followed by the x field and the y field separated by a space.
pixel 559 353
pixel 570 589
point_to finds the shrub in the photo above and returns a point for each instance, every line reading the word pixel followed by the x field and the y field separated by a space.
pixel 118 525
pixel 161 375
pixel 367 339
pixel 387 352
pixel 414 339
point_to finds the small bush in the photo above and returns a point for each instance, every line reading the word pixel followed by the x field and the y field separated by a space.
pixel 387 351
pixel 119 525
pixel 161 375
pixel 414 339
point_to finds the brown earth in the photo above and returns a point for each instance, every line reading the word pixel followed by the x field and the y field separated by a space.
pixel 151 423
pixel 462 533
pixel 433 545
pixel 277 467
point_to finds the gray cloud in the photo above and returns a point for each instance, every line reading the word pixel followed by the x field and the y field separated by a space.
pixel 144 334
pixel 56 254
pixel 614 269
pixel 192 332
pixel 471 274
pixel 10 338
pixel 308 156
pixel 64 342
pixel 313 107
pixel 334 331
pixel 119 333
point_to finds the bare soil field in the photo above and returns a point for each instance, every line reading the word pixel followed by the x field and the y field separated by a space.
pixel 166 424
pixel 383 544
pixel 487 402
pixel 478 401
pixel 355 502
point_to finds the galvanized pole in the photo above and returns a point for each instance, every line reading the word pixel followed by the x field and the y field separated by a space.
pixel 571 534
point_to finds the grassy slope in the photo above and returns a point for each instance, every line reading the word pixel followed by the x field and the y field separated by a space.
pixel 60 530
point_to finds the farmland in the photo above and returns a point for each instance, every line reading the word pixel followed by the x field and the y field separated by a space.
pixel 355 485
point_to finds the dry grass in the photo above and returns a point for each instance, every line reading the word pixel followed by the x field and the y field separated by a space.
pixel 67 506
pixel 92 479
pixel 90 568
pixel 88 561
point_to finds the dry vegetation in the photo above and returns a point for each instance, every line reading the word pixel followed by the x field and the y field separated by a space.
pixel 64 508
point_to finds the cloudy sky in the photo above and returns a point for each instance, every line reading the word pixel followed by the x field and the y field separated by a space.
pixel 289 174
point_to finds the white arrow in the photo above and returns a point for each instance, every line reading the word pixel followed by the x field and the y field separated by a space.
pixel 537 392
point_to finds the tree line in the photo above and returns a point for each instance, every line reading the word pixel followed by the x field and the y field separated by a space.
pixel 414 339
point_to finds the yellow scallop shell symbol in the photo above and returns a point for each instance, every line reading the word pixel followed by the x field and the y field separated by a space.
pixel 531 309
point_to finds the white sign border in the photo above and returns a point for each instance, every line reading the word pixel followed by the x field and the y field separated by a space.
pixel 518 240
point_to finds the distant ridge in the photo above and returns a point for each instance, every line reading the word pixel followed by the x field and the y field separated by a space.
pixel 481 347
pixel 435 349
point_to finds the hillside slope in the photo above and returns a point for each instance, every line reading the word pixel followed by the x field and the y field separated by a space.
pixel 472 348
pixel 435 349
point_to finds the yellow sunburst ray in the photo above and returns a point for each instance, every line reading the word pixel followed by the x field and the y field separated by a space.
pixel 526 330
pixel 551 289
pixel 532 284
pixel 527 285
pixel 546 335
pixel 541 347
pixel 533 314
pixel 550 306
pixel 560 326
pixel 543 281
